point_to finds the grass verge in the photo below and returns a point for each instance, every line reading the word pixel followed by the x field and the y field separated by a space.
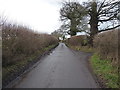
pixel 105 72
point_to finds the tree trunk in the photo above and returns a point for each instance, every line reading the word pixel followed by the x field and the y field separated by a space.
pixel 93 22
pixel 73 30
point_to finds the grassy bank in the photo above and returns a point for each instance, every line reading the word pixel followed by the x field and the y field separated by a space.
pixel 106 73
pixel 104 70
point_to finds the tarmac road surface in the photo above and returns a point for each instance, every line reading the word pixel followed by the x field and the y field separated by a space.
pixel 63 68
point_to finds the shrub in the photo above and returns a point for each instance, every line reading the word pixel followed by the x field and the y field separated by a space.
pixel 106 45
pixel 77 40
pixel 19 42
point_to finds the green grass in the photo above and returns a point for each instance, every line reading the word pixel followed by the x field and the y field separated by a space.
pixel 105 70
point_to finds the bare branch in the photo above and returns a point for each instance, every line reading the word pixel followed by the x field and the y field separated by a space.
pixel 109 28
pixel 101 6
pixel 110 18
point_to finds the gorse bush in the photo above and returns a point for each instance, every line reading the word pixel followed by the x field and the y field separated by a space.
pixel 106 45
pixel 19 42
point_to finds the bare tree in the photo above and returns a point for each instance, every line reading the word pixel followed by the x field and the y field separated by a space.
pixel 102 12
pixel 59 33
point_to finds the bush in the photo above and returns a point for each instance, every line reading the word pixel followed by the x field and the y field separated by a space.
pixel 77 40
pixel 19 42
pixel 106 45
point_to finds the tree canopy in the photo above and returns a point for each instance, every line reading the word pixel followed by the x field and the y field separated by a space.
pixel 71 12
pixel 102 16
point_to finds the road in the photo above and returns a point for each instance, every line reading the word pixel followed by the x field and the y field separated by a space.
pixel 63 68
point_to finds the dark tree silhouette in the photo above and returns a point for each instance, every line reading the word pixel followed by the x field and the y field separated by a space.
pixel 100 12
pixel 73 12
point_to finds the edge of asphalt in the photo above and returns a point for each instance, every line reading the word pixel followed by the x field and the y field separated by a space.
pixel 97 79
pixel 89 66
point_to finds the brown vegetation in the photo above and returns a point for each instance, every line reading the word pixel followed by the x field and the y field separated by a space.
pixel 106 45
pixel 77 40
pixel 19 42
pixel 21 48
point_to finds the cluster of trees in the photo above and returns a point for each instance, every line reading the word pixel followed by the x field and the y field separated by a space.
pixel 91 17
pixel 60 34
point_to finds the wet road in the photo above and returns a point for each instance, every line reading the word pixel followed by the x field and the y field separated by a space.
pixel 63 68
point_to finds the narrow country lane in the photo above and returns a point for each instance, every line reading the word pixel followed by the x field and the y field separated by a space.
pixel 63 68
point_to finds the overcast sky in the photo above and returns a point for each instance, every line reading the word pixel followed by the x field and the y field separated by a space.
pixel 42 15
